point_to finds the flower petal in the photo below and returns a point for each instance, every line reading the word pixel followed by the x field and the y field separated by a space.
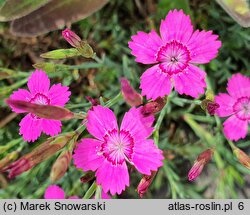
pixel 54 192
pixel 145 46
pixel 147 157
pixel 239 86
pixel 86 154
pixel 139 126
pixel 203 46
pixel 30 128
pixel 191 82
pixel 51 127
pixel 112 178
pixel 176 26
pixel 226 103
pixel 100 121
pixel 59 95
pixel 234 128
pixel 155 83
pixel 38 82
pixel 21 94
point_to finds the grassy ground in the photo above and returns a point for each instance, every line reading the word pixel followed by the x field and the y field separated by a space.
pixel 185 131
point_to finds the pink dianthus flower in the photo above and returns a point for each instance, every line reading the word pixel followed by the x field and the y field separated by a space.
pixel 108 153
pixel 174 54
pixel 236 104
pixel 40 92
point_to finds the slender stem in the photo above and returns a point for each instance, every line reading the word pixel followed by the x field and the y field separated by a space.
pixel 231 145
pixel 90 192
pixel 10 145
pixel 98 192
pixel 113 101
pixel 159 122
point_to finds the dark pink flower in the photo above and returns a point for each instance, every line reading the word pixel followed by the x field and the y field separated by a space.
pixel 40 92
pixel 236 105
pixel 113 147
pixel 174 54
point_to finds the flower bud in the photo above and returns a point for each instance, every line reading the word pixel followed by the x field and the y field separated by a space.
pixel 38 155
pixel 153 107
pixel 72 38
pixel 209 106
pixel 8 158
pixel 60 166
pixel 145 183
pixel 199 164
pixel 94 102
pixel 242 157
pixel 42 111
pixel 129 94
pixel 88 177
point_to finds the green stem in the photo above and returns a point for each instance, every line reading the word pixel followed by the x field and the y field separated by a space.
pixel 113 101
pixel 187 101
pixel 10 145
pixel 98 192
pixel 159 122
pixel 231 145
pixel 90 192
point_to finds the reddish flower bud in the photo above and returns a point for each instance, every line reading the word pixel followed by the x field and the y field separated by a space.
pixel 145 183
pixel 94 102
pixel 199 164
pixel 129 94
pixel 72 38
pixel 60 166
pixel 42 111
pixel 209 106
pixel 242 157
pixel 153 107
pixel 38 155
pixel 88 177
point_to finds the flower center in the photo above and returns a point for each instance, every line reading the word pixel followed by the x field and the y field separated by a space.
pixel 242 108
pixel 117 147
pixel 40 99
pixel 174 57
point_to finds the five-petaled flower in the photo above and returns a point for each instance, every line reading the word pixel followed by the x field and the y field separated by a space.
pixel 108 153
pixel 235 104
pixel 40 92
pixel 174 54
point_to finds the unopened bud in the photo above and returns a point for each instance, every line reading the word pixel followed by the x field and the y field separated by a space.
pixel 242 157
pixel 8 159
pixel 60 166
pixel 38 155
pixel 145 183
pixel 72 38
pixel 153 107
pixel 94 102
pixel 199 164
pixel 42 111
pixel 88 177
pixel 209 106
pixel 129 94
